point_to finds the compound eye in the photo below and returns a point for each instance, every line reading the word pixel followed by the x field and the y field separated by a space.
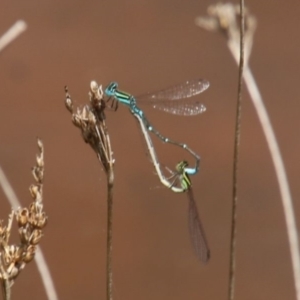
pixel 113 86
pixel 111 89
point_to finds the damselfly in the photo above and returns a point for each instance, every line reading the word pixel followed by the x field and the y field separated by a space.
pixel 179 182
pixel 175 100
pixel 197 235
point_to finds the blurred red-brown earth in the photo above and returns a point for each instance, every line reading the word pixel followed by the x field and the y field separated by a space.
pixel 145 46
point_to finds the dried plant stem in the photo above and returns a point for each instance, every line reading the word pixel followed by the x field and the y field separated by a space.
pixel 45 274
pixel 236 159
pixel 12 33
pixel 109 283
pixel 6 290
pixel 281 175
pixel 91 121
pixel 223 18
pixel 286 197
pixel 39 257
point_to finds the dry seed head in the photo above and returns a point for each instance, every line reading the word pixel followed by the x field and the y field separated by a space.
pixel 69 104
pixel 210 24
pixel 29 254
pixel 36 194
pixel 100 93
pixel 85 112
pixel 38 174
pixel 24 234
pixel 76 120
pixel 38 207
pixel 36 236
pixel 12 254
pixel 94 86
pixel 41 220
pixel 22 215
pixel 40 160
pixel 34 173
pixel 14 272
pixel 32 208
pixel 17 252
pixel 38 220
pixel 40 145
pixel 92 119
pixel 91 122
pixel 68 101
pixel 34 191
pixel 96 90
pixel 3 229
pixel 30 222
pixel 224 17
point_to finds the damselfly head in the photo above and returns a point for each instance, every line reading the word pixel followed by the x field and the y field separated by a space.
pixel 111 89
pixel 181 166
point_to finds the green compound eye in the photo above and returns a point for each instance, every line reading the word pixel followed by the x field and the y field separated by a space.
pixel 111 88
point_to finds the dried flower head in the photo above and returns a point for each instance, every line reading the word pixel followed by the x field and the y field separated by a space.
pixel 91 120
pixel 30 221
pixel 225 18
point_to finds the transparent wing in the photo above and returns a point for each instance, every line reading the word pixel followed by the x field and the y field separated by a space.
pixel 185 107
pixel 196 230
pixel 173 100
pixel 184 90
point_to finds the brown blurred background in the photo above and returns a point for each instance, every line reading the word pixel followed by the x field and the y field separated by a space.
pixel 145 46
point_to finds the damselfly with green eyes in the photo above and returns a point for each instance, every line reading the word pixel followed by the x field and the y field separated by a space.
pixel 179 182
pixel 197 234
pixel 175 100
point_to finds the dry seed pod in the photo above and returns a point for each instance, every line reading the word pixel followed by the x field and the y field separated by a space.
pixel 91 119
pixel 38 174
pixel 3 229
pixel 69 105
pixel 76 120
pixel 40 161
pixel 24 235
pixel 94 86
pixel 41 220
pixel 29 254
pixel 22 216
pixel 14 272
pixel 36 236
pixel 33 189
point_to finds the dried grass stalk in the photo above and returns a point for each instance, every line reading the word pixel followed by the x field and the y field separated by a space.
pixel 91 121
pixel 31 222
pixel 12 33
pixel 224 18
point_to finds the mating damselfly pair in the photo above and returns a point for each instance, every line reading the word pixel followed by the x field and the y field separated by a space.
pixel 177 100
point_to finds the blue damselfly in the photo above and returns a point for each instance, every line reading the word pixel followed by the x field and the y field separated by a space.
pixel 175 100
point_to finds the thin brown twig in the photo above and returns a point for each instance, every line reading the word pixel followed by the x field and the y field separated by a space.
pixel 6 289
pixel 232 262
pixel 109 282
